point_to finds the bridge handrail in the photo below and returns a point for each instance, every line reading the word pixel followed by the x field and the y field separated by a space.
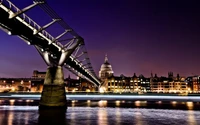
pixel 27 19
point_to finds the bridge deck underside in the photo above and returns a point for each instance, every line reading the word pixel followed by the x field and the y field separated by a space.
pixel 21 30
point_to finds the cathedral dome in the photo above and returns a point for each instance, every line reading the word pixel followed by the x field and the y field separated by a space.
pixel 106 69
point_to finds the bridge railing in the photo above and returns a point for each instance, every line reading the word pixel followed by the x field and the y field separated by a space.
pixel 26 20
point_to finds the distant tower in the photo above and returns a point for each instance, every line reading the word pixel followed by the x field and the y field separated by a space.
pixel 106 69
pixel 170 74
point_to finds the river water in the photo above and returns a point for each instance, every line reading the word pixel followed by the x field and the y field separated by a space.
pixel 100 113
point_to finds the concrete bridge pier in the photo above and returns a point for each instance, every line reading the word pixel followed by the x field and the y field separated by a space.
pixel 53 94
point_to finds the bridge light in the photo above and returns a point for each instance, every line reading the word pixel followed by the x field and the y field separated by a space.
pixel 42 50
pixel 28 43
pixel 63 50
pixel 9 33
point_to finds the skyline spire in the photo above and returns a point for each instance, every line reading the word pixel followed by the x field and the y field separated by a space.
pixel 106 59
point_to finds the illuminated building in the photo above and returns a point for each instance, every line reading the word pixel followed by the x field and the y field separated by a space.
pixel 168 84
pixel 193 83
pixel 37 74
pixel 15 84
pixel 123 84
pixel 106 70
pixel 144 83
pixel 74 85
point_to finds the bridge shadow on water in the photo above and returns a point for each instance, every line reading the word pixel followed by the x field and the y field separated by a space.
pixel 52 117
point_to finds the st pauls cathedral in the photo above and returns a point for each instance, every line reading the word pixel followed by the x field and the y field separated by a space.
pixel 106 70
pixel 141 84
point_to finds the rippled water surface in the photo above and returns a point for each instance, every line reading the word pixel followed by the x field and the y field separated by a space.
pixel 29 115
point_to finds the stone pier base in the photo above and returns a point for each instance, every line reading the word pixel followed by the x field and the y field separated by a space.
pixel 53 94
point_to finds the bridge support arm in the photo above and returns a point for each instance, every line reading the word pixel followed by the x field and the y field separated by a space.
pixel 44 27
pixel 58 37
pixel 25 9
pixel 65 55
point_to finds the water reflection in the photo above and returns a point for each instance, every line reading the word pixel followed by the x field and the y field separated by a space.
pixel 72 117
pixel 191 118
pixel 10 118
pixel 102 116
pixel 27 115
pixel 117 116
pixel 89 115
pixel 138 118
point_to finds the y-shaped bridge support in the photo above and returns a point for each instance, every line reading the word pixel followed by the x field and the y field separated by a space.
pixel 53 94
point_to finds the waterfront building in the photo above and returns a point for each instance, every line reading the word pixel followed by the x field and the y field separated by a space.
pixel 144 83
pixel 193 84
pixel 15 84
pixel 105 70
pixel 123 84
pixel 168 84
pixel 36 82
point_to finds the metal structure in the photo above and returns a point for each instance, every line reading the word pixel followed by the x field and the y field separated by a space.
pixel 67 49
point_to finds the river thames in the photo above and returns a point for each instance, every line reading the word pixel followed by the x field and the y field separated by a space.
pixel 25 112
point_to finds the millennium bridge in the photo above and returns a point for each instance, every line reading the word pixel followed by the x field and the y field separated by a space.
pixel 65 50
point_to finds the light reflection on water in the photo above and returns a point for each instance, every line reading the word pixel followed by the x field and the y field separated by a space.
pixel 117 116
pixel 29 115
pixel 191 118
pixel 100 114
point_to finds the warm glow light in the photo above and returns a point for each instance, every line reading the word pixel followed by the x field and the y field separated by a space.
pixel 174 102
pixel 102 103
pixel 101 90
pixel 87 90
pixel 117 103
pixel 12 102
pixel 190 105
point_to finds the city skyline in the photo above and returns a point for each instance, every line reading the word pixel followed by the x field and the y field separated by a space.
pixel 138 37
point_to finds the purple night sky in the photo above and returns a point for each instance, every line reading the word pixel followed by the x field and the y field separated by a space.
pixel 137 35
